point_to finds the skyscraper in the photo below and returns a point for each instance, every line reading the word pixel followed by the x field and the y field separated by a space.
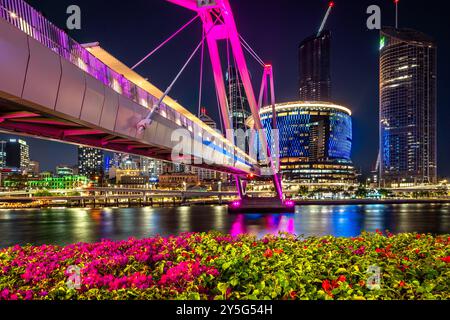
pixel 314 68
pixel 205 174
pixel 315 141
pixel 90 162
pixel 207 119
pixel 2 154
pixel 239 106
pixel 17 154
pixel 408 77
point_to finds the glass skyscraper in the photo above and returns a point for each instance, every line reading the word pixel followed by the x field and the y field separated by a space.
pixel 17 154
pixel 315 141
pixel 408 77
pixel 315 68
pixel 237 99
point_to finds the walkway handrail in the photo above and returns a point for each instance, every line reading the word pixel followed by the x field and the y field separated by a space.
pixel 21 15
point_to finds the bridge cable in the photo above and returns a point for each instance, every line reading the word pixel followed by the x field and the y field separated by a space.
pixel 230 107
pixel 165 42
pixel 143 123
pixel 251 51
pixel 202 59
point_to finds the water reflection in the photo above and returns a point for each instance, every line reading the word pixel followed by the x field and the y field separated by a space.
pixel 63 226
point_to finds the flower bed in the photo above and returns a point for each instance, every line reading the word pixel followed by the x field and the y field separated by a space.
pixel 215 266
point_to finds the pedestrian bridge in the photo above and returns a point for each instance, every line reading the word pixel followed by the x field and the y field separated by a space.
pixel 53 88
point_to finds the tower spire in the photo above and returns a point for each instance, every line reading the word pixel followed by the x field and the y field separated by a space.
pixel 396 13
pixel 327 14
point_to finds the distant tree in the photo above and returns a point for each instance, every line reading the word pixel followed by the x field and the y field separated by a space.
pixel 385 193
pixel 362 192
pixel 303 191
pixel 43 193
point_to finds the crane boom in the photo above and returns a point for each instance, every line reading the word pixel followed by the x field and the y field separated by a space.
pixel 322 26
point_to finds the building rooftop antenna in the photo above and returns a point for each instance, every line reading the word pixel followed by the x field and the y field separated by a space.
pixel 396 13
pixel 322 26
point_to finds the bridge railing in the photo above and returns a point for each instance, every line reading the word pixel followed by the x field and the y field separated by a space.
pixel 34 24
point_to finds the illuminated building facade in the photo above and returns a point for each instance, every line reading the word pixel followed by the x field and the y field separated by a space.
pixel 237 99
pixel 315 141
pixel 90 162
pixel 315 68
pixel 2 154
pixel 63 170
pixel 34 168
pixel 17 154
pixel 207 119
pixel 59 183
pixel 205 174
pixel 408 77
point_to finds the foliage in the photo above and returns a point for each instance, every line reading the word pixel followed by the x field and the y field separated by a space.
pixel 43 193
pixel 216 266
pixel 362 192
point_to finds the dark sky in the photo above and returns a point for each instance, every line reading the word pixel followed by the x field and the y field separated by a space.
pixel 130 29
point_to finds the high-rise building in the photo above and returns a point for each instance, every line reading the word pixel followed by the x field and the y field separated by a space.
pixel 34 168
pixel 315 68
pixel 207 119
pixel 90 162
pixel 63 170
pixel 17 154
pixel 151 168
pixel 315 141
pixel 2 154
pixel 408 78
pixel 205 174
pixel 237 99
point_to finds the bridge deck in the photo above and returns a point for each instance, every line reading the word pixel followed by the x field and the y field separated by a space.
pixel 53 88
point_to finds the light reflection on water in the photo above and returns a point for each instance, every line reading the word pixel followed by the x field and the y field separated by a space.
pixel 62 226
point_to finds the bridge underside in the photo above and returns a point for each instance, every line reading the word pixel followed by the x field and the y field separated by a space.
pixel 44 95
pixel 17 118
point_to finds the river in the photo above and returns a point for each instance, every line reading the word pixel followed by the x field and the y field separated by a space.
pixel 65 226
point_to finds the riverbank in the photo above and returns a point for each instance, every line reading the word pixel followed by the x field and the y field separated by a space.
pixel 32 204
pixel 370 201
pixel 204 266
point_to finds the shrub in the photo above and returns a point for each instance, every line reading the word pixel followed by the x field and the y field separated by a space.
pixel 216 266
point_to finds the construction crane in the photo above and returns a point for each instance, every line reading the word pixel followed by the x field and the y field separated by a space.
pixel 322 26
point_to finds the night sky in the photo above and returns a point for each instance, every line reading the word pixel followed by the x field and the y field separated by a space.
pixel 131 29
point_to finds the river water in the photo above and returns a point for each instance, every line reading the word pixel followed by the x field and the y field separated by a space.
pixel 65 226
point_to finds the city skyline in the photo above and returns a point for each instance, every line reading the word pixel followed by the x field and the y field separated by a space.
pixel 361 96
pixel 181 176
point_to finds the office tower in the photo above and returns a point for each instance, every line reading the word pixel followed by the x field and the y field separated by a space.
pixel 34 168
pixel 315 141
pixel 90 162
pixel 63 170
pixel 2 154
pixel 315 68
pixel 237 99
pixel 205 174
pixel 408 77
pixel 151 168
pixel 17 154
pixel 207 119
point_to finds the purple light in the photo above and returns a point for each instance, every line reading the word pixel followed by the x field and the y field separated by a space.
pixel 236 204
pixel 289 203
